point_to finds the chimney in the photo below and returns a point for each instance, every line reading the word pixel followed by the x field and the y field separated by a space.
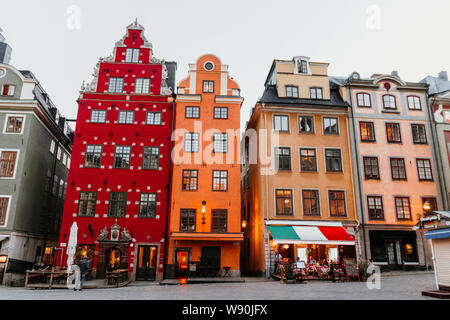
pixel 5 50
pixel 394 73
pixel 443 75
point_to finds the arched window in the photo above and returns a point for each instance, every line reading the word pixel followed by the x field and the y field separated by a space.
pixel 363 100
pixel 389 102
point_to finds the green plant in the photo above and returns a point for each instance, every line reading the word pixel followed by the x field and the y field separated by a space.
pixel 362 269
pixel 289 271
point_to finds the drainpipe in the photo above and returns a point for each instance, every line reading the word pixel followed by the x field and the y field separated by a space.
pixel 437 153
pixel 169 194
pixel 358 171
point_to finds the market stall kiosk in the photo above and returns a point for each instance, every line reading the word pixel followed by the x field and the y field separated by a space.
pixel 440 247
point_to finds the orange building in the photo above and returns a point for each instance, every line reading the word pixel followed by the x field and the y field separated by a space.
pixel 205 227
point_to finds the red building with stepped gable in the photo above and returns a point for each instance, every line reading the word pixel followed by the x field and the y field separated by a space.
pixel 118 181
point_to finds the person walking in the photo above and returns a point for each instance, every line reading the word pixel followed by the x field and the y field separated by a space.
pixel 83 264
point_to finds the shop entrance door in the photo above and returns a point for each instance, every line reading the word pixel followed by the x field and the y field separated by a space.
pixel 182 263
pixel 146 264
pixel 394 254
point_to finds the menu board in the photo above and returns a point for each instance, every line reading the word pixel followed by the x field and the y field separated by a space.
pixel 351 268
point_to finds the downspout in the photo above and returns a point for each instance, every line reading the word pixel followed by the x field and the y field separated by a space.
pixel 266 189
pixel 358 171
pixel 169 193
pixel 436 154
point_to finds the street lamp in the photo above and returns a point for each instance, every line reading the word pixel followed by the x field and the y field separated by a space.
pixel 244 224
pixel 203 212
pixel 426 207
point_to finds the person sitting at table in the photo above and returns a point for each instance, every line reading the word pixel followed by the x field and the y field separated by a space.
pixel 312 260
pixel 325 263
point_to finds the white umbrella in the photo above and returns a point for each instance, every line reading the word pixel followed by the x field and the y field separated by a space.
pixel 72 245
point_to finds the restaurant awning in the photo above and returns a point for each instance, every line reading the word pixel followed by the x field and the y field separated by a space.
pixel 2 237
pixel 311 235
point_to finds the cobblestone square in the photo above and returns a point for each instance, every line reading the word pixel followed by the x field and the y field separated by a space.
pixel 394 286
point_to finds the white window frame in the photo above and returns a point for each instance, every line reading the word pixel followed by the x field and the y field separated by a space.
pixel 98 116
pixel 141 84
pixel 126 118
pixel 15 164
pixel 132 55
pixel 11 85
pixel 14 115
pixel 288 123
pixel 52 146
pixel 7 209
pixel 115 86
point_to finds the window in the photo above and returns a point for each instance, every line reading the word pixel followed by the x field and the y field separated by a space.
pixel 187 219
pixel 191 143
pixel 389 102
pixel 281 123
pixel 337 203
pixel 311 202
pixel 64 160
pixel 393 133
pixel 150 158
pixel 308 159
pixel 330 126
pixel 68 162
pixel 58 153
pixel 52 146
pixel 126 117
pixel 8 90
pixel 154 118
pixel 424 169
pixel 190 180
pixel 55 185
pixel 93 156
pixel 220 180
pixel 283 199
pixel 142 85
pixel 371 170
pixel 14 124
pixel 333 160
pixel 86 204
pixel 147 205
pixel 192 112
pixel 132 55
pixel 375 207
pixel 305 124
pixel 3 209
pixel 7 163
pixel 208 86
pixel 291 91
pixel 220 142
pixel 315 93
pixel 65 190
pixel 303 66
pixel 418 133
pixel 402 207
pixel 219 220
pixel 117 204
pixel 363 100
pixel 414 103
pixel 283 158
pixel 398 170
pixel 122 157
pixel 367 131
pixel 115 85
pixel 220 112
pixel 98 116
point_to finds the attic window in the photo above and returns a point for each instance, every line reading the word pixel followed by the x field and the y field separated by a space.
pixel 132 55
pixel 302 66
pixel 8 90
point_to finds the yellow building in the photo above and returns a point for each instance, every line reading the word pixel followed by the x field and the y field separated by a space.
pixel 298 190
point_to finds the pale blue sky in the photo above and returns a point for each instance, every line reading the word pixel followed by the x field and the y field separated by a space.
pixel 246 35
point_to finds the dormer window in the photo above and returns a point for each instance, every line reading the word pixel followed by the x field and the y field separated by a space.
pixel 8 90
pixel 292 91
pixel 132 55
pixel 302 66
pixel 315 93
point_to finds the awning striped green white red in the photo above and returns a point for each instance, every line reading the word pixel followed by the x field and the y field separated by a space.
pixel 311 235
